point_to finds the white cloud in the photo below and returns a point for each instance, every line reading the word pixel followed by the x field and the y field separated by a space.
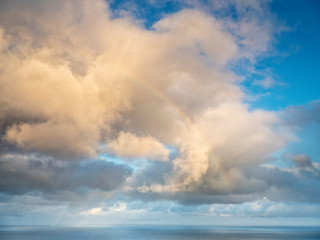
pixel 93 211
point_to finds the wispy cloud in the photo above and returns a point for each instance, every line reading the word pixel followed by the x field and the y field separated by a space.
pixel 267 83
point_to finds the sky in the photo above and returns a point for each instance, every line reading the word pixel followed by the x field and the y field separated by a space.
pixel 159 112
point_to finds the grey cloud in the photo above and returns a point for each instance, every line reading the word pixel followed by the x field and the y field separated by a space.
pixel 276 184
pixel 21 174
pixel 302 160
pixel 300 116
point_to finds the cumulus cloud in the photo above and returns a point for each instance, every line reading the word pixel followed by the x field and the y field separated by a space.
pixel 217 158
pixel 56 109
pixel 75 89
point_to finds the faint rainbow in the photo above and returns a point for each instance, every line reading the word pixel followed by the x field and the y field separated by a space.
pixel 182 114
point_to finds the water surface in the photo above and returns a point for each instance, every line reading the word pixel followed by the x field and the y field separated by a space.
pixel 157 233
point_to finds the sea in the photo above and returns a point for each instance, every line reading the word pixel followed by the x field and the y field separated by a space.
pixel 159 232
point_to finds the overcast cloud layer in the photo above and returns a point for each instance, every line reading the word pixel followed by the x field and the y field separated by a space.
pixel 95 109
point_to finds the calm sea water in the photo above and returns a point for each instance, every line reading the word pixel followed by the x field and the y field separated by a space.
pixel 157 233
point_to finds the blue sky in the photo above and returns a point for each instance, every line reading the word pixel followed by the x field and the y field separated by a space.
pixel 295 63
pixel 171 112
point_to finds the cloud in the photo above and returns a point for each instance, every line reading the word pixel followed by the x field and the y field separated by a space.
pixel 53 100
pixel 93 211
pixel 303 115
pixel 129 145
pixel 72 88
pixel 302 160
pixel 215 158
pixel 265 83
pixel 265 208
pixel 21 174
pixel 205 33
pixel 170 84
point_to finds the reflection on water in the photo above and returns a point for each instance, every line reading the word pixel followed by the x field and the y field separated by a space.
pixel 157 233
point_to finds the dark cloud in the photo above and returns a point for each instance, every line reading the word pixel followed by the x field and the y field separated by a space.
pixel 20 174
